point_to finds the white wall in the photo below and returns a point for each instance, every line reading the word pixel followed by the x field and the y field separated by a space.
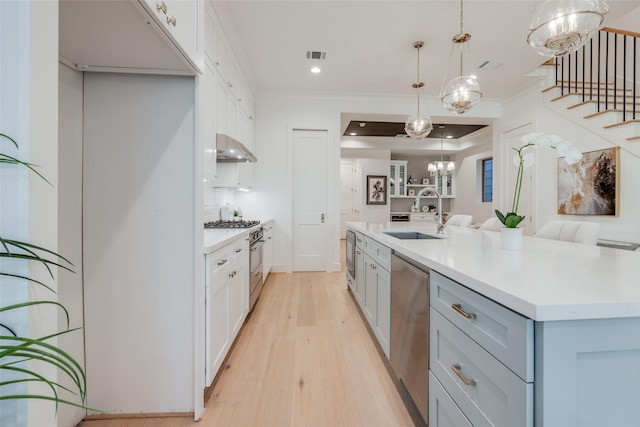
pixel 140 235
pixel 276 115
pixel 468 198
pixel 70 105
pixel 528 107
pixel 376 163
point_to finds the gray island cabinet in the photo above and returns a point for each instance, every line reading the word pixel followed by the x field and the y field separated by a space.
pixel 548 336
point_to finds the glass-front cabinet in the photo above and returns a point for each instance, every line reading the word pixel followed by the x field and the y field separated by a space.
pixel 398 178
pixel 445 185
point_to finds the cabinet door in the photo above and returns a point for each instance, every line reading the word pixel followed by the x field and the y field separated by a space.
pixel 210 34
pixel 231 116
pixel 221 106
pixel 360 276
pixel 383 318
pixel 267 251
pixel 371 291
pixel 178 19
pixel 207 122
pixel 238 287
pixel 218 329
pixel 443 412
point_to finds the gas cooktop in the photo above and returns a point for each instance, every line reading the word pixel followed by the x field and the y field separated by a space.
pixel 231 224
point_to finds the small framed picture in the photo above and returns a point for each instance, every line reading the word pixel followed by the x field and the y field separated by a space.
pixel 376 190
pixel 411 192
pixel 425 181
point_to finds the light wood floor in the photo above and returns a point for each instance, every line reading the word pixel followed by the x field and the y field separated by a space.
pixel 304 358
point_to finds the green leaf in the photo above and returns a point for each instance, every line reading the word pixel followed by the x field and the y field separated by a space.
pixel 512 220
pixel 500 216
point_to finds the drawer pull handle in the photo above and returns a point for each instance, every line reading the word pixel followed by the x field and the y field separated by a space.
pixel 223 262
pixel 456 369
pixel 461 312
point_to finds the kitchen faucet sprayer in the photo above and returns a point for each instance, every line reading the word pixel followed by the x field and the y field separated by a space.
pixel 416 205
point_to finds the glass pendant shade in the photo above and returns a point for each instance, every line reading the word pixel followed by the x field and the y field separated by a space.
pixel 440 166
pixel 431 167
pixel 462 90
pixel 418 127
pixel 562 26
pixel 461 94
pixel 451 167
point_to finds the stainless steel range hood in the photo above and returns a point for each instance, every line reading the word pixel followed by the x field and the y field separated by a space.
pixel 229 150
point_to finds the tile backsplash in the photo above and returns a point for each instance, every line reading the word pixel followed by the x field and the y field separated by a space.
pixel 214 199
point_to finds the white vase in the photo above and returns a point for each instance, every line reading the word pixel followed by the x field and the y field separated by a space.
pixel 511 238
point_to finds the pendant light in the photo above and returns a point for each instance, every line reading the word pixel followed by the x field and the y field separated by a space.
pixel 562 26
pixel 461 93
pixel 418 126
pixel 438 167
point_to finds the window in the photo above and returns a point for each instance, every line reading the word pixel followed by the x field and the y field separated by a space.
pixel 487 180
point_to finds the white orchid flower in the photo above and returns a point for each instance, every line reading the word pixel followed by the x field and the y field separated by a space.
pixel 569 152
pixel 526 139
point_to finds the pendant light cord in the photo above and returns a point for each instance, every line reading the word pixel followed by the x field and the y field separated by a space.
pixel 418 82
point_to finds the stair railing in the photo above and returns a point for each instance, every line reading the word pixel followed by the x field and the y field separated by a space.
pixel 585 68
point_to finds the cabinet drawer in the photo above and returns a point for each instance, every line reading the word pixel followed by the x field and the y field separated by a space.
pixel 237 248
pixel 443 412
pixel 379 252
pixel 492 395
pixel 217 261
pixel 502 332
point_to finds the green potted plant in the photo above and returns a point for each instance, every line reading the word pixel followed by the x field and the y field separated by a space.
pixel 523 160
pixel 18 350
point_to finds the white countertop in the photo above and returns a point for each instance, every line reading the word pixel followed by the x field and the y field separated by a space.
pixel 546 280
pixel 216 238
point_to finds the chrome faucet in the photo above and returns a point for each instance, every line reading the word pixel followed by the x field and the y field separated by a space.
pixel 416 205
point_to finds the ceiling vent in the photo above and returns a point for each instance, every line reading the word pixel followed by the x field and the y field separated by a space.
pixel 490 65
pixel 316 54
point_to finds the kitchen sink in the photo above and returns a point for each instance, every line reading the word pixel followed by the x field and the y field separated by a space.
pixel 409 235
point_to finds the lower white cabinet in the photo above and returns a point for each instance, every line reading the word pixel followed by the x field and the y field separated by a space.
pixel 267 250
pixel 481 356
pixel 360 269
pixel 443 412
pixel 373 287
pixel 226 301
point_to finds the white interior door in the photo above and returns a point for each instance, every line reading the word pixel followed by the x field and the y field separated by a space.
pixel 346 195
pixel 511 140
pixel 310 200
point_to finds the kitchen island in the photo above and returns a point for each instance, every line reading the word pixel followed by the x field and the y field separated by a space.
pixel 580 310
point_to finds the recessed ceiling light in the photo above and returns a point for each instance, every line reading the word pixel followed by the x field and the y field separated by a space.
pixel 315 70
pixel 449 136
pixel 353 134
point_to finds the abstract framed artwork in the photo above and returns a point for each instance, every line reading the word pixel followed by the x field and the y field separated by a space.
pixel 376 190
pixel 590 186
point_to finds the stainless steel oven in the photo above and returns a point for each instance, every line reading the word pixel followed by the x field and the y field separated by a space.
pixel 255 265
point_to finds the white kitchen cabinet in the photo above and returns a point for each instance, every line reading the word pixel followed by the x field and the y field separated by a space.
pixel 178 19
pixel 221 106
pixel 267 250
pixel 360 269
pixel 398 178
pixel 445 184
pixel 481 353
pixel 207 83
pixel 227 301
pixel 211 28
pixel 377 290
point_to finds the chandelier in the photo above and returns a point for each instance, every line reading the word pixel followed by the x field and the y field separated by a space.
pixel 418 126
pixel 438 167
pixel 562 26
pixel 461 93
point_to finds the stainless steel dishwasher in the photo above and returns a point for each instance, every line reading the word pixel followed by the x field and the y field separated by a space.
pixel 410 334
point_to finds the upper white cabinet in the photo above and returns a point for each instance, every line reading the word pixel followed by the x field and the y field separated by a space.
pixel 179 20
pixel 398 178
pixel 134 36
pixel 208 121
